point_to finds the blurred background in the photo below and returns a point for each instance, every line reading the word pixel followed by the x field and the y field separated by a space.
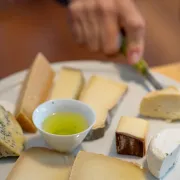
pixel 41 26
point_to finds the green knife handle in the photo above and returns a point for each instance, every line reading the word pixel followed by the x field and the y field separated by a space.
pixel 141 66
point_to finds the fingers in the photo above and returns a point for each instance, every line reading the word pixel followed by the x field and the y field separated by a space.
pixel 109 27
pixel 96 24
pixel 75 12
pixel 85 23
pixel 134 26
pixel 92 22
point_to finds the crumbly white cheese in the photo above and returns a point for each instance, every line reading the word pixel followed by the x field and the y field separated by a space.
pixel 163 152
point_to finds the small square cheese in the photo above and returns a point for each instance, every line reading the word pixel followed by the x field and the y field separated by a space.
pixel 131 136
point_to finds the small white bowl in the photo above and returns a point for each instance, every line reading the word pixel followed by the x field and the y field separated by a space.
pixel 63 143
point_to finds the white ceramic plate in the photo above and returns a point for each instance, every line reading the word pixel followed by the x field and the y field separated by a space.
pixel 138 87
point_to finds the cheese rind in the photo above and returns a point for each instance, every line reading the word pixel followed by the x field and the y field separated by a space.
pixel 131 136
pixel 90 166
pixel 163 152
pixel 35 91
pixel 162 104
pixel 102 94
pixel 41 164
pixel 68 85
pixel 11 135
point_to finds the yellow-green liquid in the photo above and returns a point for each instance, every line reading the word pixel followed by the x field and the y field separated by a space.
pixel 65 123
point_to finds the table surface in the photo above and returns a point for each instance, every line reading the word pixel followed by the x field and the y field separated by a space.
pixel 42 26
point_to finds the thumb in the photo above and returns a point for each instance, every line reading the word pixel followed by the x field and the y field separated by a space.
pixel 134 26
pixel 135 42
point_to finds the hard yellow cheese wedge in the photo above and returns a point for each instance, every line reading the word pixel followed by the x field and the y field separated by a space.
pixel 41 164
pixel 68 84
pixel 88 166
pixel 35 91
pixel 102 94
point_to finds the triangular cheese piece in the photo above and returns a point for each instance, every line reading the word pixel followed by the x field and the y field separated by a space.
pixel 11 135
pixel 162 104
pixel 41 164
pixel 90 166
pixel 35 91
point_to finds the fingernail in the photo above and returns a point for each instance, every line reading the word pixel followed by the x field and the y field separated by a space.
pixel 134 56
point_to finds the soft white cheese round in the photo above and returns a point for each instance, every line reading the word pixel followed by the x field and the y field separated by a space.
pixel 163 152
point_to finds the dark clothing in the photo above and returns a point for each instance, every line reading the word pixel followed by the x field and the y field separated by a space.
pixel 64 2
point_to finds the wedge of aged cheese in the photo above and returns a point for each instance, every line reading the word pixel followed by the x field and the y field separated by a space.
pixel 90 166
pixel 163 152
pixel 11 135
pixel 102 94
pixel 131 136
pixel 68 85
pixel 162 104
pixel 36 88
pixel 41 164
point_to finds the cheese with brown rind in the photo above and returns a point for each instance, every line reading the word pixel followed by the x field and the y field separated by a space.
pixel 35 91
pixel 102 94
pixel 41 164
pixel 91 166
pixel 163 104
pixel 68 85
pixel 131 135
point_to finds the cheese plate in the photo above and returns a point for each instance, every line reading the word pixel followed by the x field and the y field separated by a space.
pixel 138 87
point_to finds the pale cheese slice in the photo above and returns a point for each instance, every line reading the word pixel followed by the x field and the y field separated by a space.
pixel 162 104
pixel 41 164
pixel 102 94
pixel 68 85
pixel 35 91
pixel 90 166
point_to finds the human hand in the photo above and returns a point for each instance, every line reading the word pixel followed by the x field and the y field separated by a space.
pixel 97 23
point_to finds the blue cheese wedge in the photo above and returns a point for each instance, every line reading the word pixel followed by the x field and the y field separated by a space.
pixel 163 104
pixel 11 135
pixel 163 152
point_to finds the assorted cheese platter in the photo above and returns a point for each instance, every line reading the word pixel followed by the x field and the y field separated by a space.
pixel 115 125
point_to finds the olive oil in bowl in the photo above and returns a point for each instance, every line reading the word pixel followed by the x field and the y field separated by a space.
pixel 65 123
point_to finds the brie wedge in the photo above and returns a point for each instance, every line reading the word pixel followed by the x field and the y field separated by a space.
pixel 163 152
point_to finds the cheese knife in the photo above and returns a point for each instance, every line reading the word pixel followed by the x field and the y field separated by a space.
pixel 142 67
